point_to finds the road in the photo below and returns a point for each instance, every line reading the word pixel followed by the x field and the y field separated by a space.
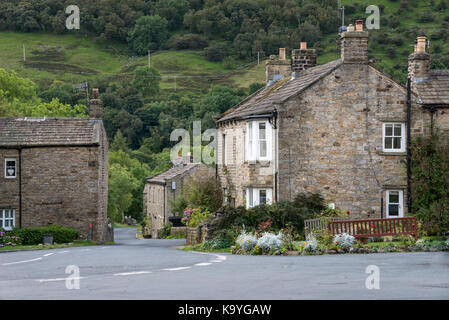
pixel 154 269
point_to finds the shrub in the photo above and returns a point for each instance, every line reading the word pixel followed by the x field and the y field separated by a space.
pixel 215 52
pixel 246 241
pixel 165 231
pixel 281 214
pixel 188 41
pixel 8 239
pixel 311 246
pixel 32 236
pixel 344 241
pixel 270 242
pixel 194 217
pixel 222 243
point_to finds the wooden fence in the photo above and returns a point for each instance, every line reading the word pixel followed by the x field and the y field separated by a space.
pixel 315 226
pixel 366 228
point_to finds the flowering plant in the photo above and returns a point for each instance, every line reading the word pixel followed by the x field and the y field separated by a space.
pixel 193 217
pixel 9 240
pixel 344 241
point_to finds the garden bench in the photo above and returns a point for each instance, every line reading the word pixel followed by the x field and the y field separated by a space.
pixel 367 228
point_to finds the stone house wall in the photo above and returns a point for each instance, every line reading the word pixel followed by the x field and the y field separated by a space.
pixel 239 174
pixel 333 133
pixel 60 185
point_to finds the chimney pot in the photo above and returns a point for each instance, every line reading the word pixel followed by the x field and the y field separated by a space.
pixel 281 53
pixel 421 44
pixel 303 46
pixel 350 28
pixel 359 25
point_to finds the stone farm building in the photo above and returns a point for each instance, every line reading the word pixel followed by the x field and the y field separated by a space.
pixel 339 129
pixel 55 171
pixel 164 187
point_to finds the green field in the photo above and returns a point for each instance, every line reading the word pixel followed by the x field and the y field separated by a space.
pixel 75 59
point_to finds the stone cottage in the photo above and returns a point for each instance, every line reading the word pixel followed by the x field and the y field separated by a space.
pixel 55 171
pixel 340 129
pixel 165 187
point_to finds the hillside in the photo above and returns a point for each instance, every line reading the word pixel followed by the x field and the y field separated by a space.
pixel 74 59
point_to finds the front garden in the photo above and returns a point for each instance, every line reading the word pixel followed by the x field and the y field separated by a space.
pixel 278 229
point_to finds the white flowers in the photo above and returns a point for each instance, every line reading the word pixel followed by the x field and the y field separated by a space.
pixel 246 241
pixel 270 242
pixel 344 241
pixel 267 242
pixel 311 245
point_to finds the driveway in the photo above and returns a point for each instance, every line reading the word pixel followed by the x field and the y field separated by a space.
pixel 154 269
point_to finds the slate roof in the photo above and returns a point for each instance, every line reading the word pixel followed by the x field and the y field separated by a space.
pixel 171 173
pixel 262 101
pixel 435 91
pixel 25 132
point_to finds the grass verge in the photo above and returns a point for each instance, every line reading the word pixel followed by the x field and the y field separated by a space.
pixel 76 243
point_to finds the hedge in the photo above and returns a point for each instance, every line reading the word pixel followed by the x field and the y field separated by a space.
pixel 32 236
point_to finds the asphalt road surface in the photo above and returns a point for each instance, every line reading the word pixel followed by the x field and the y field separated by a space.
pixel 154 269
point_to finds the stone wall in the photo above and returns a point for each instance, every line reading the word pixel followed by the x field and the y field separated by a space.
pixel 330 140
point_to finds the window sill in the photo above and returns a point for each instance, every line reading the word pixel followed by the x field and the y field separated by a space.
pixel 388 153
pixel 263 163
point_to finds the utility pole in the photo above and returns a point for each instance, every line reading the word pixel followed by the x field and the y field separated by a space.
pixel 24 53
pixel 149 58
pixel 258 59
pixel 175 82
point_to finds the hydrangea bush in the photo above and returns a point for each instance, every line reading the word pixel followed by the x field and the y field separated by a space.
pixel 9 240
pixel 344 241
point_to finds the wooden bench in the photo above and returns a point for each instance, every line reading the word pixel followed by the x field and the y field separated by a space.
pixel 367 228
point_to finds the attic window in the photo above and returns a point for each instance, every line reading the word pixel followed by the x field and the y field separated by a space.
pixel 10 168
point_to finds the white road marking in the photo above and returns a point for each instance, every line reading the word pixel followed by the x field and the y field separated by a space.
pixel 220 257
pixel 60 279
pixel 203 264
pixel 216 261
pixel 131 273
pixel 48 254
pixel 18 262
pixel 176 269
pixel 63 252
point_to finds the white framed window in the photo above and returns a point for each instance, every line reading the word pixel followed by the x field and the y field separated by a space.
pixel 258 140
pixel 258 196
pixel 10 168
pixel 7 218
pixel 393 137
pixel 395 203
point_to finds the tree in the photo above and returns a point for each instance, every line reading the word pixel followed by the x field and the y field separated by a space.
pixel 119 142
pixel 120 197
pixel 173 11
pixel 149 33
pixel 147 79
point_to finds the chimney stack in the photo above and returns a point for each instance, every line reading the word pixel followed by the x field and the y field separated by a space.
pixel 419 62
pixel 302 59
pixel 95 106
pixel 277 67
pixel 354 44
